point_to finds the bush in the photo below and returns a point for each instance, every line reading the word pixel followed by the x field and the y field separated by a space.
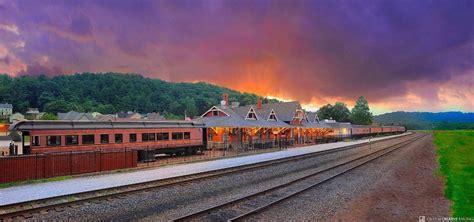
pixel 15 136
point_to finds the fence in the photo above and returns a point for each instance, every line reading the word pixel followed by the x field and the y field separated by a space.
pixel 28 167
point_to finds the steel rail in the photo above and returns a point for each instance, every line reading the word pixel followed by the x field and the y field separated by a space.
pixel 28 207
pixel 266 206
pixel 263 192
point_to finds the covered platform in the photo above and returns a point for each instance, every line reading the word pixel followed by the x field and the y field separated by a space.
pixel 31 192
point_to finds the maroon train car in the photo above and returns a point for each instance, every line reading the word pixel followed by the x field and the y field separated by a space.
pixel 170 137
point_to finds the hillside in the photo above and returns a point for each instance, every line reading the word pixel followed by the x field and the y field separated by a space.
pixel 428 120
pixel 113 92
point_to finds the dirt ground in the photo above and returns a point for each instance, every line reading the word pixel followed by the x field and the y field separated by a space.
pixel 411 191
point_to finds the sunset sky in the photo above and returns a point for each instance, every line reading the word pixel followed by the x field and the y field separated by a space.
pixel 410 55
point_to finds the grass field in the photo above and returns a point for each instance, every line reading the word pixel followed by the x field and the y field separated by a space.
pixel 456 157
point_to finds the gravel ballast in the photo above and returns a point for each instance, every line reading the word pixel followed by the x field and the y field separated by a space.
pixel 170 202
pixel 400 186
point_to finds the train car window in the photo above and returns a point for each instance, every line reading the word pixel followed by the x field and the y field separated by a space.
pixel 118 138
pixel 88 139
pixel 187 135
pixel 166 136
pixel 144 137
pixel 133 137
pixel 159 136
pixel 151 136
pixel 104 138
pixel 53 140
pixel 177 136
pixel 72 140
pixel 36 140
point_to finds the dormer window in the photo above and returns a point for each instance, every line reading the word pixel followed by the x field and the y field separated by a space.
pixel 214 111
pixel 251 114
pixel 316 118
pixel 272 116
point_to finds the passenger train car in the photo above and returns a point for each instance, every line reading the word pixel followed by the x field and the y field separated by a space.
pixel 162 137
pixel 60 136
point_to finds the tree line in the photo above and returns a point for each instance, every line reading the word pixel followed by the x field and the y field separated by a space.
pixel 109 93
pixel 360 114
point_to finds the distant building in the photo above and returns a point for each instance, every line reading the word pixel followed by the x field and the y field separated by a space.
pixel 106 117
pixel 15 117
pixel 129 115
pixel 95 114
pixel 154 117
pixel 73 115
pixel 6 110
pixel 32 113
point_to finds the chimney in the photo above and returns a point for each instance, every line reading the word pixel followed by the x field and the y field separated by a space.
pixel 259 104
pixel 225 97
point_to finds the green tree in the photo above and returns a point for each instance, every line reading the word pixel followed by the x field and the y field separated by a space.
pixel 56 106
pixel 326 112
pixel 338 112
pixel 341 112
pixel 48 116
pixel 113 92
pixel 361 112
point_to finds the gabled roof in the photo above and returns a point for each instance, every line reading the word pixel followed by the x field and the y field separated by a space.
pixel 154 116
pixel 236 118
pixel 251 110
pixel 312 116
pixel 218 108
pixel 272 112
pixel 6 105
pixel 73 115
pixel 284 111
pixel 128 114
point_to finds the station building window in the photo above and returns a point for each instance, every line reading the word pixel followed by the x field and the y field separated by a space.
pixel 88 139
pixel 177 136
pixel 118 138
pixel 104 138
pixel 187 135
pixel 53 140
pixel 72 140
pixel 133 137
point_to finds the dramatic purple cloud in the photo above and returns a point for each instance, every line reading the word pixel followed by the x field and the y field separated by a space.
pixel 313 51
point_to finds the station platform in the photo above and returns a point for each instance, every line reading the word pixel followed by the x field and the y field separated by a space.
pixel 29 192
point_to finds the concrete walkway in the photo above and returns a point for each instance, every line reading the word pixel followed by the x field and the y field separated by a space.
pixel 30 192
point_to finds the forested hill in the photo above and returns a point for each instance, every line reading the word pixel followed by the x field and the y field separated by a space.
pixel 427 120
pixel 113 92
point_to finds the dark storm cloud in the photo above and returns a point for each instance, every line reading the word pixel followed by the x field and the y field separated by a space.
pixel 295 49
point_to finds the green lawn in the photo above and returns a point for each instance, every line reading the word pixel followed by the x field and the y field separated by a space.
pixel 455 151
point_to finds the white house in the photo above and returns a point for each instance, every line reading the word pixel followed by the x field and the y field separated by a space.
pixel 6 109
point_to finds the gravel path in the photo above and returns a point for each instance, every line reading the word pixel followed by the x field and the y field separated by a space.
pixel 397 187
pixel 171 202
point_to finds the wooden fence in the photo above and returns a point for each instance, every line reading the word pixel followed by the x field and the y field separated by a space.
pixel 29 167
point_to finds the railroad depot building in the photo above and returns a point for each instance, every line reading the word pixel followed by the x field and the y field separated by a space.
pixel 231 126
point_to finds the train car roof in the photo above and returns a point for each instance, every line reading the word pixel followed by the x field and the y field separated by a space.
pixel 78 124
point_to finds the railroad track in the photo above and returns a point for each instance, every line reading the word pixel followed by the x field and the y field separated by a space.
pixel 243 207
pixel 28 208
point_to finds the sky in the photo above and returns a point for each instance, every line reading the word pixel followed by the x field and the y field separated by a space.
pixel 400 54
